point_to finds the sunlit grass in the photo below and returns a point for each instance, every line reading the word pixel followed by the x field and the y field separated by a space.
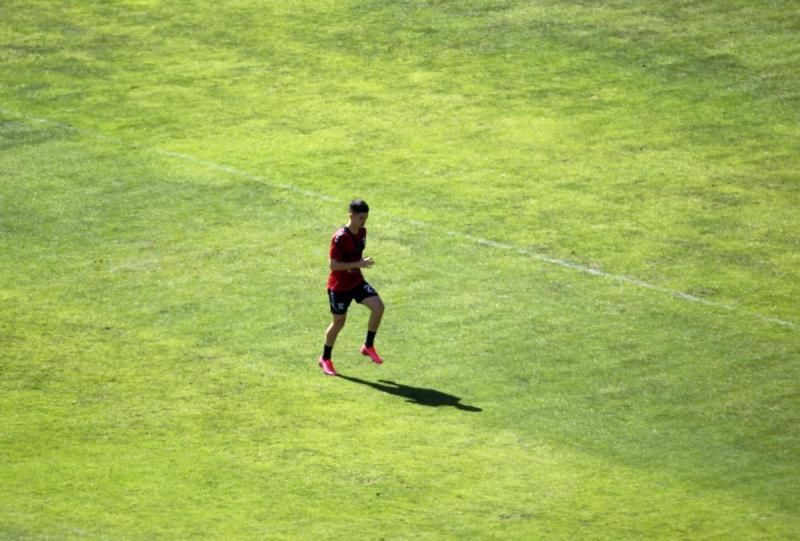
pixel 172 173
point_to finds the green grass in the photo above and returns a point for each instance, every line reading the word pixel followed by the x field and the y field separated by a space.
pixel 170 176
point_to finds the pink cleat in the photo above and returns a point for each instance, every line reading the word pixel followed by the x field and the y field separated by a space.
pixel 372 354
pixel 327 366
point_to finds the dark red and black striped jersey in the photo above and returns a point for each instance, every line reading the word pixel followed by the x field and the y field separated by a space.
pixel 347 248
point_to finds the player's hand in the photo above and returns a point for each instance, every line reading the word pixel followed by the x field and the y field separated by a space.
pixel 367 262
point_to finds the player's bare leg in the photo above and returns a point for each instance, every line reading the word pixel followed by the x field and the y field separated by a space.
pixel 337 324
pixel 376 307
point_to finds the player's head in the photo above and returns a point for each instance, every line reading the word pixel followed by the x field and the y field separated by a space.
pixel 358 206
pixel 359 211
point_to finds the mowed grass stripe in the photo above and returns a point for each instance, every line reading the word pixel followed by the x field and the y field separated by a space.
pixel 572 331
pixel 160 319
pixel 631 137
pixel 231 170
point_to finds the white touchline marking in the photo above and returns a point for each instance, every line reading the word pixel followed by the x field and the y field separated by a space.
pixel 616 277
pixel 418 223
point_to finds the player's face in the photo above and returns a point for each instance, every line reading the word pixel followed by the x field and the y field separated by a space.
pixel 359 218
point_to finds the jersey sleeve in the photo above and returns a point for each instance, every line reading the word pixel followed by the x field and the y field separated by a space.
pixel 338 247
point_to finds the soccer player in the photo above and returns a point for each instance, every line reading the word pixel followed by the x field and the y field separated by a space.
pixel 345 283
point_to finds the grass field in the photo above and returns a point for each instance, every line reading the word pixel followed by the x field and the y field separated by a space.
pixel 585 226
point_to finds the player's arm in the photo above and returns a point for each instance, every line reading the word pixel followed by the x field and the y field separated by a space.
pixel 344 265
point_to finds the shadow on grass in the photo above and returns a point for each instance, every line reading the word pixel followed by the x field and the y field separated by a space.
pixel 415 395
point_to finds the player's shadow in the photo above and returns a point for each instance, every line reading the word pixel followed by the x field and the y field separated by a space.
pixel 415 395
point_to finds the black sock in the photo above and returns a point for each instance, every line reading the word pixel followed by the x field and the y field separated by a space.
pixel 370 338
pixel 327 353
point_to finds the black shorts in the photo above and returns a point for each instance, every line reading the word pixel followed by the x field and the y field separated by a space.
pixel 340 300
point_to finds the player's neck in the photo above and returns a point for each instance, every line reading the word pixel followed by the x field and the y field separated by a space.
pixel 354 229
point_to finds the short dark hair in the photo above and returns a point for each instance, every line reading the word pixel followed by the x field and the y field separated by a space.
pixel 358 206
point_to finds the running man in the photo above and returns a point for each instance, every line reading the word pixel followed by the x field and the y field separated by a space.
pixel 346 283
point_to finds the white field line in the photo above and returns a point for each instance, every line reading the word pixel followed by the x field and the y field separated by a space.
pixel 230 170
